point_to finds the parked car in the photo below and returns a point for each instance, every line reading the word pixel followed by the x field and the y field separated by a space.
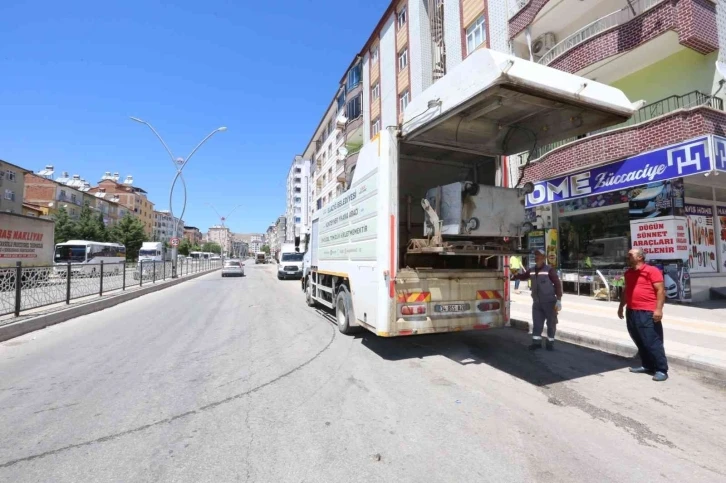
pixel 233 268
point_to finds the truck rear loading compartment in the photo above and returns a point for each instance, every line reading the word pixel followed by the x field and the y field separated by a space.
pixel 495 104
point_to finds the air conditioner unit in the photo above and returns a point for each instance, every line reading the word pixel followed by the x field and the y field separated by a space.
pixel 543 44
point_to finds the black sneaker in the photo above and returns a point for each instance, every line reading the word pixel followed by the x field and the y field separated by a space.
pixel 550 344
pixel 536 344
pixel 660 376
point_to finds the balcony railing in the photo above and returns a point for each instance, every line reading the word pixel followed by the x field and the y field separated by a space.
pixel 644 114
pixel 609 21
pixel 516 5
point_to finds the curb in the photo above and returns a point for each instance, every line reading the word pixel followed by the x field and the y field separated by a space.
pixel 16 329
pixel 690 363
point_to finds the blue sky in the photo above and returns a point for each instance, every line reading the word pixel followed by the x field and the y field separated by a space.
pixel 73 72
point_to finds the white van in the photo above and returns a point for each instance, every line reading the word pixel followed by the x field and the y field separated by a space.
pixel 291 262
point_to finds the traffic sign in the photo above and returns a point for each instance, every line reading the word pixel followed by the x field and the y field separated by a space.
pixel 175 242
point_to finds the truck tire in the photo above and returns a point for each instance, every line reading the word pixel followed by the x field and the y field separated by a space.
pixel 344 311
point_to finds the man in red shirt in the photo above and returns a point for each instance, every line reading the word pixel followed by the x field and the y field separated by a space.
pixel 645 296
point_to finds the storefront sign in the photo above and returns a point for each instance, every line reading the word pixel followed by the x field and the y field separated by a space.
pixel 664 238
pixel 719 155
pixel 684 159
pixel 701 239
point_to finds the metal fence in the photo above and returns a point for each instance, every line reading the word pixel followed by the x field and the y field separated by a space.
pixel 24 288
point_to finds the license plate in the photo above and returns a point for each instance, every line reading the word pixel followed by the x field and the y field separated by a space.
pixel 452 308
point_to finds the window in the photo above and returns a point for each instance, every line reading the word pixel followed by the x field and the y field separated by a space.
pixel 354 108
pixel 73 198
pixel 376 127
pixel 403 60
pixel 298 170
pixel 401 21
pixel 475 35
pixel 63 194
pixel 10 175
pixel 298 200
pixel 10 195
pixel 374 54
pixel 354 77
pixel 376 91
pixel 341 101
pixel 403 100
pixel 297 219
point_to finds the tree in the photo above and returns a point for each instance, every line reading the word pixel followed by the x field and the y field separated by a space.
pixel 130 232
pixel 212 247
pixel 65 228
pixel 102 230
pixel 185 247
pixel 266 249
pixel 90 226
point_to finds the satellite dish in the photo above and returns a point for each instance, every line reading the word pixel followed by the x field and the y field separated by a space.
pixel 342 152
pixel 721 68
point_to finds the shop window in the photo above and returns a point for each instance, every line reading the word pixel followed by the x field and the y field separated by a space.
pixel 595 241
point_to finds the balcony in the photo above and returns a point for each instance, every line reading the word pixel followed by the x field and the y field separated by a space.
pixel 668 121
pixel 609 21
pixel 593 40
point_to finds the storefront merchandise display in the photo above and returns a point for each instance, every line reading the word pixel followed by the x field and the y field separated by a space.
pixel 722 225
pixel 701 239
pixel 676 279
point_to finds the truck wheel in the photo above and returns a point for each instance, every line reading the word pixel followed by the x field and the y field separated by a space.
pixel 344 311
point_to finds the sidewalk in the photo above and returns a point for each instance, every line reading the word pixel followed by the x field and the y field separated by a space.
pixel 695 337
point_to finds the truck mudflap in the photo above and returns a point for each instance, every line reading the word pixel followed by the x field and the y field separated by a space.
pixel 448 301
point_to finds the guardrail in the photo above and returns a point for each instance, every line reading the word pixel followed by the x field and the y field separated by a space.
pixel 24 288
pixel 609 21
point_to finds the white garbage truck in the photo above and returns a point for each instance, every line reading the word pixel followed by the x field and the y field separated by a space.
pixel 419 241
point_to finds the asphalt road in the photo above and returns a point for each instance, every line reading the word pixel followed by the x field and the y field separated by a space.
pixel 236 379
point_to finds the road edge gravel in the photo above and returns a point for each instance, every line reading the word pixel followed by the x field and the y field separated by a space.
pixel 618 348
pixel 26 326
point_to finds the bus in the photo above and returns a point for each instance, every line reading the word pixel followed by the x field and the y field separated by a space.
pixel 201 255
pixel 86 257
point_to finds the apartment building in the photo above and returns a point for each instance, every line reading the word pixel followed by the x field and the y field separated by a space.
pixel 222 236
pixel 52 194
pixel 271 238
pixel 164 226
pixel 297 211
pixel 12 187
pixel 135 199
pixel 670 55
pixel 193 235
pixel 415 43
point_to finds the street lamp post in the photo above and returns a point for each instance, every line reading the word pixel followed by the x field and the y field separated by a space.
pixel 179 164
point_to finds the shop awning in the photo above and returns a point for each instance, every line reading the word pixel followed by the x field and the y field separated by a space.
pixel 497 104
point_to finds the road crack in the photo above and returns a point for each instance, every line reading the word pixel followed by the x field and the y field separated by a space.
pixel 207 407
